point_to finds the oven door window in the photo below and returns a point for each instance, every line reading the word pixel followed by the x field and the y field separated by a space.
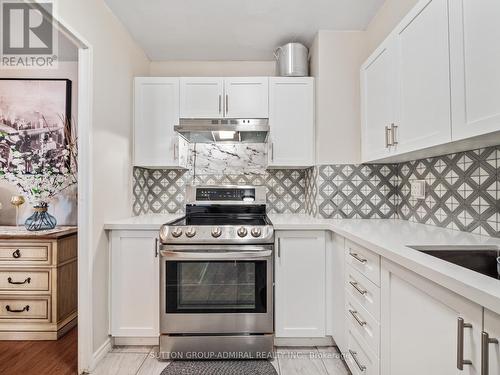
pixel 216 287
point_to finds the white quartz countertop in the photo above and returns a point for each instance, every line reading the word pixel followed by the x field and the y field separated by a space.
pixel 141 222
pixel 390 239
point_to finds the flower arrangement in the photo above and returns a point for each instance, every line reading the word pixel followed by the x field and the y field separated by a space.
pixel 42 172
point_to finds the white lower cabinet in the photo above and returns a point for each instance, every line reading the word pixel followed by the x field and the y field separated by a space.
pixel 359 358
pixel 421 326
pixel 134 284
pixel 490 349
pixel 300 284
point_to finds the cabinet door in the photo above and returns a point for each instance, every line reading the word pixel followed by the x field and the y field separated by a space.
pixel 156 112
pixel 134 284
pixel 300 284
pixel 291 118
pixel 246 97
pixel 420 326
pixel 424 104
pixel 475 63
pixel 378 89
pixel 202 97
pixel 492 329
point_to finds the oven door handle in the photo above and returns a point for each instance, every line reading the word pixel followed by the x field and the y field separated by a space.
pixel 233 255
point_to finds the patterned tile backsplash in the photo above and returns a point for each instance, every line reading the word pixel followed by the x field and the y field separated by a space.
pixel 462 190
pixel 162 191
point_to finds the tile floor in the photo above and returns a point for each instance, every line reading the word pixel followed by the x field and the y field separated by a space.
pixel 140 360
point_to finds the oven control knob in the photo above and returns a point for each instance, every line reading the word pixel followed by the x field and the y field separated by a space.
pixel 256 232
pixel 177 232
pixel 191 232
pixel 242 231
pixel 216 232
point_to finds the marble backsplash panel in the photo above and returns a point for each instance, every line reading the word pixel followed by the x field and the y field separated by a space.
pixel 227 158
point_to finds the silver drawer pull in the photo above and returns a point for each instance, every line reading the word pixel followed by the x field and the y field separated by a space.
pixel 354 356
pixel 358 258
pixel 460 344
pixel 354 314
pixel 485 352
pixel 355 285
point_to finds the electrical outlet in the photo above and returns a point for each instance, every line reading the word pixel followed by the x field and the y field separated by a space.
pixel 418 189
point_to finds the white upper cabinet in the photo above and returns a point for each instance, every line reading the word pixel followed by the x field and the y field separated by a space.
pixel 239 97
pixel 156 112
pixel 202 97
pixel 246 97
pixel 475 63
pixel 291 119
pixel 378 101
pixel 422 57
pixel 447 73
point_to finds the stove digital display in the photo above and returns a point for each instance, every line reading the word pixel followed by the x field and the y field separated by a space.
pixel 219 194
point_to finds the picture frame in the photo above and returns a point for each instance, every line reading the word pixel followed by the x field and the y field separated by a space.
pixel 35 118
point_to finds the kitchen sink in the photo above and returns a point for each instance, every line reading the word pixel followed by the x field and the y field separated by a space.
pixel 482 259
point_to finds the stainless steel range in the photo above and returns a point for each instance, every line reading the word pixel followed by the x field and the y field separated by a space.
pixel 217 276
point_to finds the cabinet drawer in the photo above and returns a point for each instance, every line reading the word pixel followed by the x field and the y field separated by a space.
pixel 362 323
pixel 363 291
pixel 363 260
pixel 24 308
pixel 17 253
pixel 360 360
pixel 12 280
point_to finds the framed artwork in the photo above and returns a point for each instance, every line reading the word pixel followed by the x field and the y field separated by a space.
pixel 35 123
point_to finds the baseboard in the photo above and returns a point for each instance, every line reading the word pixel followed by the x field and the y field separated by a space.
pixel 100 353
pixel 303 341
pixel 153 341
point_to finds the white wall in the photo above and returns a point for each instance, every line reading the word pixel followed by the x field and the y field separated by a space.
pixel 388 16
pixel 116 60
pixel 212 68
pixel 336 57
pixel 63 207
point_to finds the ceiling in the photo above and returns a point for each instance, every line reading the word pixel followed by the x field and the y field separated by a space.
pixel 234 29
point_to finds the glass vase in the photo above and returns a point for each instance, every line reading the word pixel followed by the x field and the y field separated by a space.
pixel 41 219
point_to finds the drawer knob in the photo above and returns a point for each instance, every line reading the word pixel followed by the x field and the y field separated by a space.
pixel 25 308
pixel 16 254
pixel 28 280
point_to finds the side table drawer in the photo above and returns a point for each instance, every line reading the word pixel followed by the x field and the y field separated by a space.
pixel 21 280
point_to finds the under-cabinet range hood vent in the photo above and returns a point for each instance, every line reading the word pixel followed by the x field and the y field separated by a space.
pixel 224 130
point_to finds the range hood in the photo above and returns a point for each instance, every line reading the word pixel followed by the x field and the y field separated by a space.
pixel 223 130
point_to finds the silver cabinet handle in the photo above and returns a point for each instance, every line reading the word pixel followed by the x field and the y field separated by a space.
pixel 485 352
pixel 272 151
pixel 461 325
pixel 354 356
pixel 227 104
pixel 355 285
pixel 279 247
pixel 393 129
pixel 175 151
pixel 220 103
pixel 358 258
pixel 386 137
pixel 354 314
pixel 156 247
